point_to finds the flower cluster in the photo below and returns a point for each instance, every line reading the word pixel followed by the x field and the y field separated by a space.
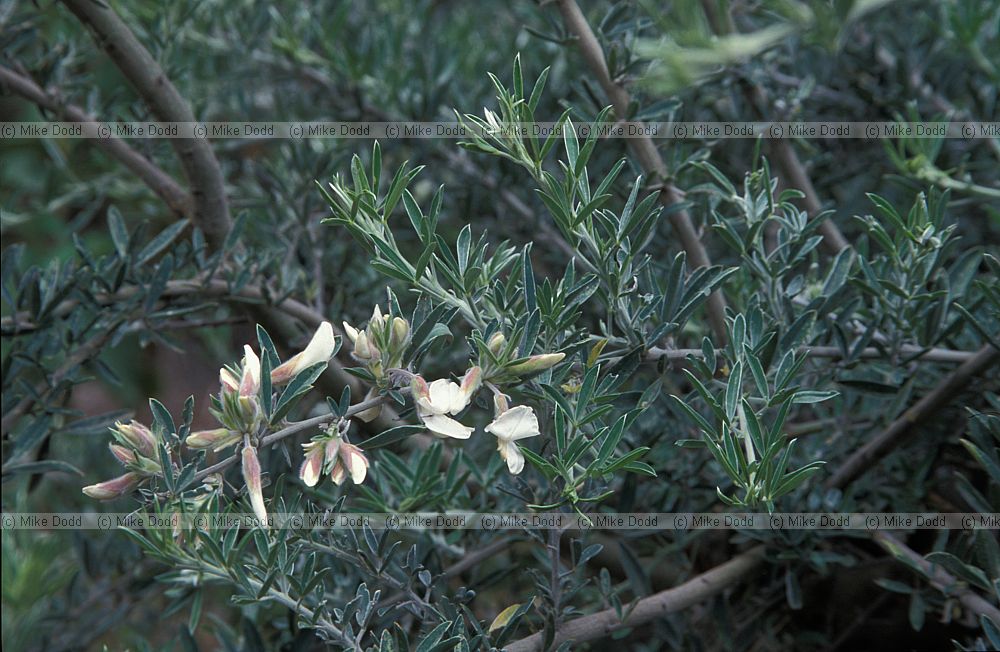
pixel 331 454
pixel 135 446
pixel 441 400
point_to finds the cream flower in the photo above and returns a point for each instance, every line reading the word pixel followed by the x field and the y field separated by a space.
pixel 509 425
pixel 443 397
pixel 312 466
pixel 319 349
pixel 351 460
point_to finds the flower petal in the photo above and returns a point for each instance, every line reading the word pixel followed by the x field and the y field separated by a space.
pixel 512 454
pixel 518 422
pixel 444 426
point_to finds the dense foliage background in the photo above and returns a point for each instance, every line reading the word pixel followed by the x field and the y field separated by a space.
pixel 861 318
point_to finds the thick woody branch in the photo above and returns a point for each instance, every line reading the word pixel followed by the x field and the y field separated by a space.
pixel 645 152
pixel 204 177
pixel 926 408
pixel 695 590
pixel 158 181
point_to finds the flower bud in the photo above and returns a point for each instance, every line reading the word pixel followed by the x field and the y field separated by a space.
pixel 364 350
pixel 115 488
pixel 352 332
pixel 500 404
pixel 536 363
pixel 496 343
pixel 250 380
pixel 400 336
pixel 251 476
pixel 377 322
pixel 216 439
pixel 124 455
pixel 137 436
pixel 420 388
pixel 319 349
pixel 229 382
pixel 471 382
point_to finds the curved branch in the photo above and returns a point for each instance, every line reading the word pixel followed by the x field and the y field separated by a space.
pixel 695 590
pixel 648 156
pixel 158 181
pixel 866 456
pixel 204 177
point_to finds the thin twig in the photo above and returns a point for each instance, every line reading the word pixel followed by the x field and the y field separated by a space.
pixel 81 355
pixel 941 579
pixel 648 156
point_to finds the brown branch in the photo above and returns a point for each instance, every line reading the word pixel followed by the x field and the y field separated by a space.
pixel 644 150
pixel 695 590
pixel 866 456
pixel 204 177
pixel 782 151
pixel 164 185
pixel 941 579
pixel 919 353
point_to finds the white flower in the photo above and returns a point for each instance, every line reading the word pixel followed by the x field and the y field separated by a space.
pixel 436 401
pixel 510 425
pixel 319 349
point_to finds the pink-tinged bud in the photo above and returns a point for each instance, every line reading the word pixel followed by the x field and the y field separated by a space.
pixel 354 461
pixel 496 343
pixel 320 349
pixel 215 439
pixel 536 363
pixel 471 382
pixel 420 388
pixel 500 404
pixel 250 381
pixel 229 382
pixel 115 488
pixel 351 332
pixel 312 465
pixel 251 476
pixel 137 436
pixel 364 350
pixel 124 455
pixel 369 415
pixel 400 336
